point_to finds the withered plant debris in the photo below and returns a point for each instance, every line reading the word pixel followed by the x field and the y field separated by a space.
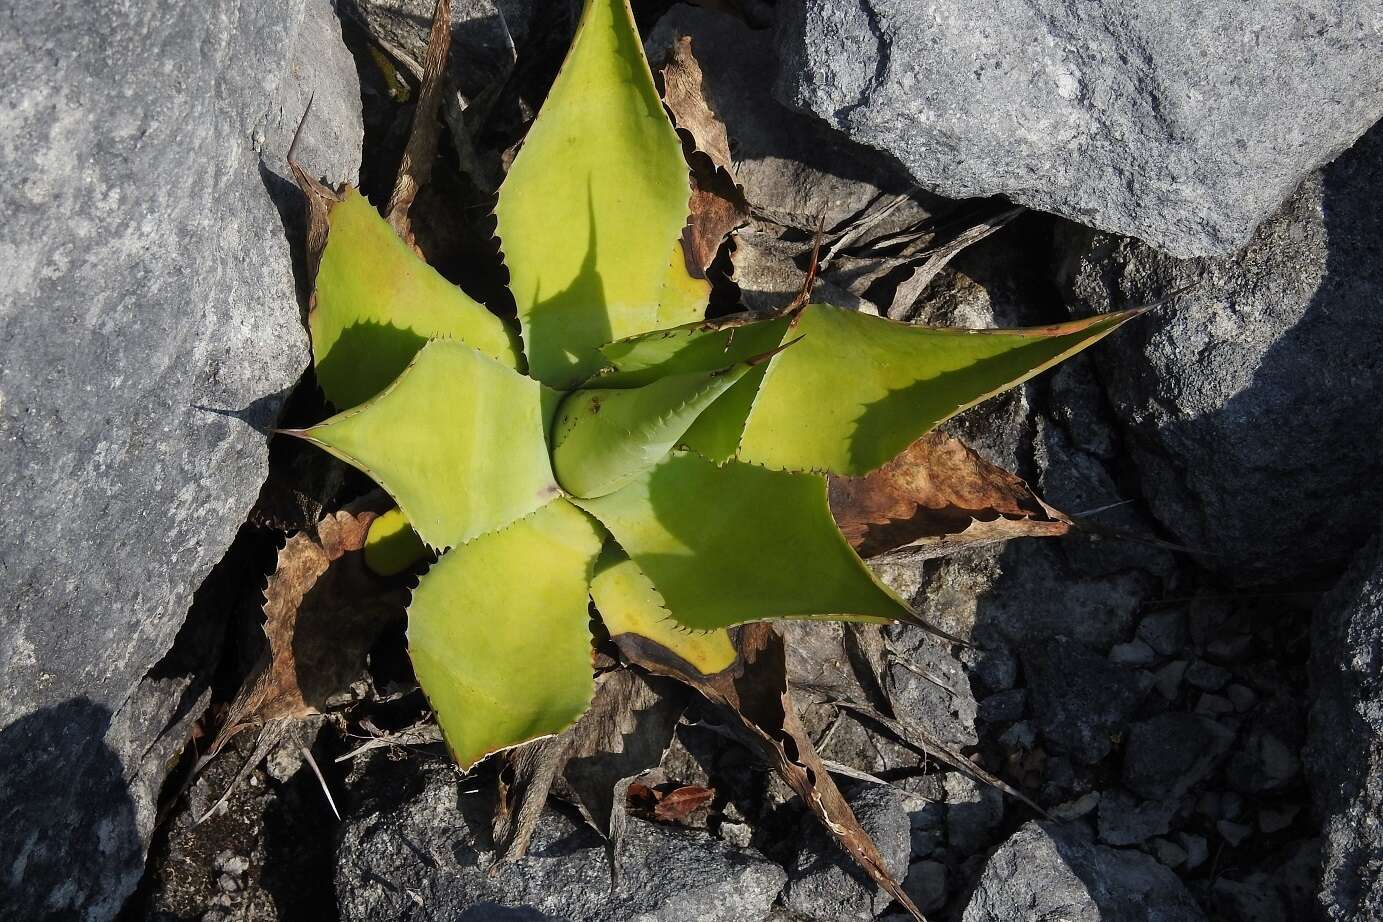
pixel 755 693
pixel 937 497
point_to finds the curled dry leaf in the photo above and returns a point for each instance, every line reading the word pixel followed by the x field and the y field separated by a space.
pixel 625 732
pixel 755 691
pixel 421 149
pixel 669 804
pixel 323 611
pixel 717 205
pixel 938 496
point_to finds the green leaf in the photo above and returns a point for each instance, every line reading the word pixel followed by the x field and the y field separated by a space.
pixel 630 605
pixel 392 545
pixel 457 440
pixel 377 302
pixel 859 389
pixel 591 212
pixel 735 543
pixel 702 346
pixel 604 438
pixel 498 632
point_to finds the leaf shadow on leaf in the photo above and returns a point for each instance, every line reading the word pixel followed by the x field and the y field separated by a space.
pixel 564 330
pixel 882 429
pixel 748 532
pixel 373 354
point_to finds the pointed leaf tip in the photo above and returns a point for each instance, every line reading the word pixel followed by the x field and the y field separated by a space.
pixel 591 212
pixel 497 631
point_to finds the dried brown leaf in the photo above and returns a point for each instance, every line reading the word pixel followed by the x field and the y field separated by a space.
pixel 418 154
pixel 938 496
pixel 324 609
pixel 625 731
pixel 717 203
pixel 755 692
pixel 679 804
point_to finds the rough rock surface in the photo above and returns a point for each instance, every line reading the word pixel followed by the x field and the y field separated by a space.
pixel 418 849
pixel 1246 400
pixel 1183 123
pixel 1345 754
pixel 825 884
pixel 1045 871
pixel 149 326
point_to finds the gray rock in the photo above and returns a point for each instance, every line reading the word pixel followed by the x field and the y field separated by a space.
pixel 1197 849
pixel 1168 852
pixel 1080 700
pixel 792 167
pixel 1164 631
pixel 1003 706
pixel 1344 757
pixel 1264 762
pixel 1167 680
pixel 824 884
pixel 930 686
pixel 1184 124
pixel 418 848
pixel 1126 820
pixel 1169 754
pixel 1239 387
pixel 1233 833
pixel 1133 653
pixel 150 328
pixel 1048 872
pixel 1207 676
pixel 926 884
pixel 1251 900
pixel 973 811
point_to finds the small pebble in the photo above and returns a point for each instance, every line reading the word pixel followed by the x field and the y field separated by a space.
pixel 1165 632
pixel 1019 736
pixel 737 834
pixel 1168 679
pixel 231 863
pixel 1214 705
pixel 1276 819
pixel 1168 852
pixel 1207 676
pixel 1133 653
pixel 1075 809
pixel 1231 805
pixel 1004 706
pixel 1242 697
pixel 1228 649
pixel 1233 833
pixel 1209 805
pixel 926 884
pixel 1197 849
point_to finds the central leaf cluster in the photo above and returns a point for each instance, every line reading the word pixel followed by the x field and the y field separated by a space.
pixel 617 447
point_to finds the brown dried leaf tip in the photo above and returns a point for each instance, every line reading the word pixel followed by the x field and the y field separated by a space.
pixel 323 611
pixel 717 204
pixel 938 496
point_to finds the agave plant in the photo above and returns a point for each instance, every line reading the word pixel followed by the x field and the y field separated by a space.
pixel 618 447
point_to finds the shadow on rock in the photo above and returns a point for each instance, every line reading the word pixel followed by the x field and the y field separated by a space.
pixel 70 848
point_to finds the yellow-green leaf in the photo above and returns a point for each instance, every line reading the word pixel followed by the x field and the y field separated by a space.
pixel 604 438
pixel 593 206
pixel 392 545
pixel 702 346
pixel 377 302
pixel 629 604
pixel 457 440
pixel 859 389
pixel 735 543
pixel 498 632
